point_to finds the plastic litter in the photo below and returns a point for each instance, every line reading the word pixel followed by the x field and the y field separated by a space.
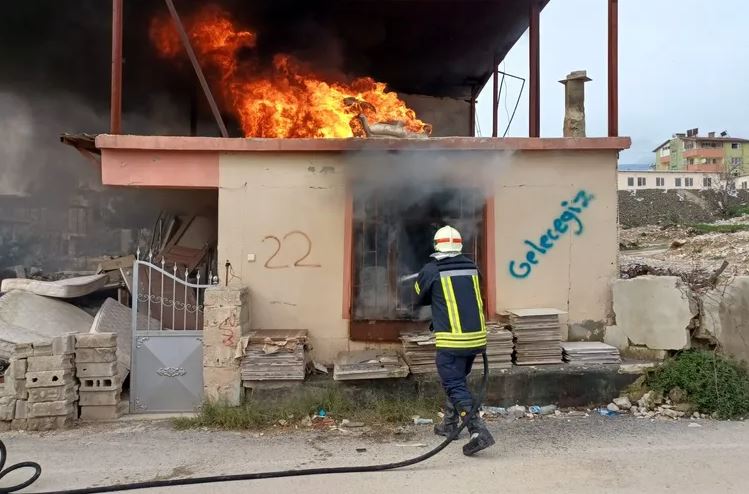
pixel 494 411
pixel 605 412
pixel 544 410
pixel 421 421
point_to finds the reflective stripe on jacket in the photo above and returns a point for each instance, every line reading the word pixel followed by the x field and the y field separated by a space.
pixel 451 287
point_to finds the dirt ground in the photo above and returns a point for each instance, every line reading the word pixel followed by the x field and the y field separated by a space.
pixel 554 454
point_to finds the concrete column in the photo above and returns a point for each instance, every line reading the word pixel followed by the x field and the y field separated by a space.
pixel 574 103
pixel 226 321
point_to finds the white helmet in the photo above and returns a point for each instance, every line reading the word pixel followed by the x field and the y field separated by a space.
pixel 447 239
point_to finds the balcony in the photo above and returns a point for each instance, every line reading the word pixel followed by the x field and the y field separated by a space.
pixel 704 153
pixel 713 168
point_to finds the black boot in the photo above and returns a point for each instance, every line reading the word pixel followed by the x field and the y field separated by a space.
pixel 449 422
pixel 481 438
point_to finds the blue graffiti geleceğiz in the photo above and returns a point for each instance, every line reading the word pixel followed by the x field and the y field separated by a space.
pixel 568 220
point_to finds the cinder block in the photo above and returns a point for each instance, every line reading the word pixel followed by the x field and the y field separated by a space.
pixel 53 363
pixel 17 368
pixel 50 423
pixel 107 369
pixel 96 340
pixel 99 398
pixel 219 354
pixel 49 379
pixel 107 412
pixel 42 349
pixel 23 350
pixel 15 388
pixel 63 345
pixel 89 384
pixel 7 408
pixel 222 384
pixel 57 393
pixel 225 296
pixel 5 426
pixel 95 355
pixel 50 409
pixel 19 424
pixel 21 409
pixel 227 317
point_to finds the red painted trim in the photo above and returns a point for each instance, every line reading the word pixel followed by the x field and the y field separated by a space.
pixel 186 143
pixel 448 240
pixel 348 246
pixel 491 259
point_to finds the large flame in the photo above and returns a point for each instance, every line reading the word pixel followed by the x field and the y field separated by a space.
pixel 287 99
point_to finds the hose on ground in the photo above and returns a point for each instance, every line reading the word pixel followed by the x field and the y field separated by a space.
pixel 37 469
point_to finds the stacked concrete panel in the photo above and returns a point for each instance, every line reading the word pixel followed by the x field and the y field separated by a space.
pixel 51 385
pixel 96 366
pixel 13 399
pixel 226 324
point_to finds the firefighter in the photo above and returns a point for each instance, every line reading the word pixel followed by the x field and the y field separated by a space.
pixel 450 284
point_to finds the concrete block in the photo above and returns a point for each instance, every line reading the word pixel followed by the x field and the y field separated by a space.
pixel 23 350
pixel 63 345
pixel 219 354
pixel 614 336
pixel 108 369
pixel 50 423
pixel 5 426
pixel 643 353
pixel 15 388
pixel 48 379
pixel 50 409
pixel 107 412
pixel 19 424
pixel 99 398
pixel 226 296
pixel 21 409
pixel 654 311
pixel 57 393
pixel 724 316
pixel 99 384
pixel 53 363
pixel 18 367
pixel 95 355
pixel 227 317
pixel 42 349
pixel 96 340
pixel 222 385
pixel 7 408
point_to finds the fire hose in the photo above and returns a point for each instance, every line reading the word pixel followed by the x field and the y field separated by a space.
pixel 37 469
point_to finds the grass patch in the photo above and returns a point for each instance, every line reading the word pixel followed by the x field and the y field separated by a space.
pixel 736 211
pixel 372 408
pixel 713 382
pixel 702 228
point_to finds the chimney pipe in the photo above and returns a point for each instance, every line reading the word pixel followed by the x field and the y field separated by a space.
pixel 574 103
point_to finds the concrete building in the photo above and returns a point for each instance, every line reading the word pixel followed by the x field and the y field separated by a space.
pixel 694 153
pixel 319 231
pixel 668 180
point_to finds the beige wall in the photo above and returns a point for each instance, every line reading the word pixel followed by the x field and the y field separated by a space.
pixel 575 274
pixel 264 194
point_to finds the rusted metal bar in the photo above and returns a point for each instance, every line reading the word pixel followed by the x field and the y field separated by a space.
pixel 613 68
pixel 495 100
pixel 195 65
pixel 534 95
pixel 472 113
pixel 115 107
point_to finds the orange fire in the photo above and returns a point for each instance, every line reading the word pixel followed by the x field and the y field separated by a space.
pixel 287 99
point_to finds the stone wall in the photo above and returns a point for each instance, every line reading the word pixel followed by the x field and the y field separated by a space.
pixel 668 207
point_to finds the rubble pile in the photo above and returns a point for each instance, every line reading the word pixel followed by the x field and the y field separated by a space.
pixel 96 363
pixel 653 404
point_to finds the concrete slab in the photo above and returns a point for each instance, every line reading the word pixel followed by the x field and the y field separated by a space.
pixel 654 311
pixel 26 317
pixel 68 288
pixel 614 336
pixel 725 311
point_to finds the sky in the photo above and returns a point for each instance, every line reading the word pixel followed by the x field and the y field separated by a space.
pixel 682 64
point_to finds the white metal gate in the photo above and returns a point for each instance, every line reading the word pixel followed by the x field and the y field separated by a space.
pixel 167 354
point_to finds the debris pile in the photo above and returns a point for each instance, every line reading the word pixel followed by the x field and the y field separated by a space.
pixel 537 336
pixel 590 352
pixel 96 365
pixel 369 364
pixel 275 355
pixel 653 404
pixel 419 351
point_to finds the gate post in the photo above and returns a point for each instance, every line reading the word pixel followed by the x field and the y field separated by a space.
pixel 226 320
